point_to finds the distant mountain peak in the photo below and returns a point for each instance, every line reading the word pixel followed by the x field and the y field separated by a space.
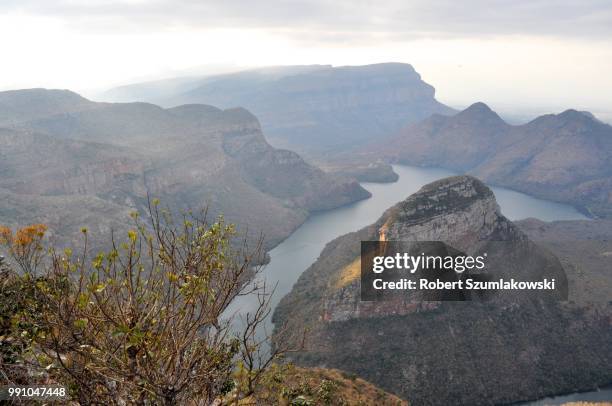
pixel 569 117
pixel 479 110
pixel 572 114
pixel 479 106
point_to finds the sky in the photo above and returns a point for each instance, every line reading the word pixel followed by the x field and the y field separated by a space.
pixel 512 54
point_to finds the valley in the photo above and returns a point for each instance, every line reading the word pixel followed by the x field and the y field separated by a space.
pixel 360 332
pixel 306 203
pixel 295 254
pixel 355 121
pixel 70 162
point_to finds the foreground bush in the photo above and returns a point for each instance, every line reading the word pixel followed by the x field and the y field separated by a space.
pixel 144 322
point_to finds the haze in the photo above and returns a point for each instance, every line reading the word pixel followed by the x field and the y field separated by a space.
pixel 514 55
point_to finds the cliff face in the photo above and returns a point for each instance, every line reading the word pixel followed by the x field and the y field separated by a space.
pixel 565 157
pixel 312 110
pixel 190 156
pixel 459 210
pixel 501 350
pixel 35 163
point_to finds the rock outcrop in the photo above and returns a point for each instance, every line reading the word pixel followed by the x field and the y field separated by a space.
pixel 491 350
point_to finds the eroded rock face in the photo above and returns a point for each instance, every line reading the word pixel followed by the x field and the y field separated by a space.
pixel 459 211
pixel 192 156
pixel 499 350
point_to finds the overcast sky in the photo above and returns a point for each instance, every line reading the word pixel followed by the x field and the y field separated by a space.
pixel 509 53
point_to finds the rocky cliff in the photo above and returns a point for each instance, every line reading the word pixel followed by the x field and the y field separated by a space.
pixel 501 349
pixel 190 156
pixel 565 157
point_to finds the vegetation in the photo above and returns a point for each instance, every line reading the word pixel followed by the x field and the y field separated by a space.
pixel 291 385
pixel 144 322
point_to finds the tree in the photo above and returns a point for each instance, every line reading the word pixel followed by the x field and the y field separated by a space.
pixel 145 321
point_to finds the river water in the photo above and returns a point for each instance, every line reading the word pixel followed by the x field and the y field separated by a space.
pixel 594 396
pixel 295 254
pixel 290 258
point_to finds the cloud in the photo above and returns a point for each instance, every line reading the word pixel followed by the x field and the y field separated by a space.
pixel 338 20
pixel 522 52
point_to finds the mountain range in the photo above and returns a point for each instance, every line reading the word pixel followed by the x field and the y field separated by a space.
pixel 316 110
pixel 67 160
pixel 355 120
pixel 565 157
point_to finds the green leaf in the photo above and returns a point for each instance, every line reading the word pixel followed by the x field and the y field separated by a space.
pixel 80 323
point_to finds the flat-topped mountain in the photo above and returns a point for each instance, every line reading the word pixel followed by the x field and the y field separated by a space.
pixel 565 157
pixel 189 156
pixel 312 109
pixel 479 352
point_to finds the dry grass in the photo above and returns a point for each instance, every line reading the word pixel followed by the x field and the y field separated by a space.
pixel 349 273
pixel 354 390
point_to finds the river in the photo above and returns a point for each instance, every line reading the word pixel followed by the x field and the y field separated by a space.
pixel 295 254
pixel 290 258
pixel 601 395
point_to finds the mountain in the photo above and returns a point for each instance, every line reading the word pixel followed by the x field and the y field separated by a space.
pixel 162 90
pixel 57 145
pixel 565 157
pixel 313 110
pixel 23 105
pixel 495 350
pixel 459 142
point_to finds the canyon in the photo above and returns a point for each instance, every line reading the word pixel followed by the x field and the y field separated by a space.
pixel 502 350
pixel 70 162
pixel 356 120
pixel 67 160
